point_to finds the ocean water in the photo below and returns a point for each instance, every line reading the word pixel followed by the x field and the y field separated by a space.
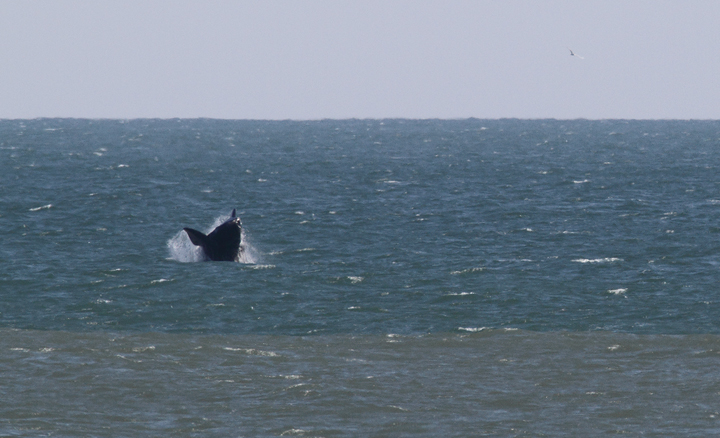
pixel 400 278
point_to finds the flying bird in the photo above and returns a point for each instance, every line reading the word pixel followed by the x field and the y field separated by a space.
pixel 573 54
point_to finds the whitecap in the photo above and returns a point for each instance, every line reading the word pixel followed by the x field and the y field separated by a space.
pixel 602 260
pixel 162 280
pixel 252 351
pixel 473 329
pixel 261 266
pixel 293 432
pixel 44 207
pixel 617 291
pixel 466 271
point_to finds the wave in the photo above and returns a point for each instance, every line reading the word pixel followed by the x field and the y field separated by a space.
pixel 602 260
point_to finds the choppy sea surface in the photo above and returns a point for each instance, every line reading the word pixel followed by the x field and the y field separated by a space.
pixel 400 278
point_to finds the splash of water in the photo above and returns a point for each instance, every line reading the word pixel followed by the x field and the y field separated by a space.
pixel 182 249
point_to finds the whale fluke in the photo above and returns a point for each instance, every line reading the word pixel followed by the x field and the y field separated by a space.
pixel 222 243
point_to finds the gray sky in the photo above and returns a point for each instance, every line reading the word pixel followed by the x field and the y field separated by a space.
pixel 300 59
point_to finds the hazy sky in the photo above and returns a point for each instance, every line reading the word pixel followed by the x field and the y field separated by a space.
pixel 367 59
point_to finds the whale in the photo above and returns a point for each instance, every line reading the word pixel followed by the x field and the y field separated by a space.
pixel 223 244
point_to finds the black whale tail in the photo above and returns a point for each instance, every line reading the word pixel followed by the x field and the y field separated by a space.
pixel 196 237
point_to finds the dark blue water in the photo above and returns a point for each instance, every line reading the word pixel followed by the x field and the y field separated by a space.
pixel 362 226
pixel 400 278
